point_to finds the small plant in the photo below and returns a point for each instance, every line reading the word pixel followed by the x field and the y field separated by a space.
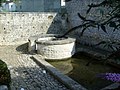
pixel 5 78
pixel 114 77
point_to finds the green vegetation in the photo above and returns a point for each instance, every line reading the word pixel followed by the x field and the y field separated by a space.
pixel 4 74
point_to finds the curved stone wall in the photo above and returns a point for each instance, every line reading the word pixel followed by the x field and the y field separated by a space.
pixel 52 52
pixel 52 48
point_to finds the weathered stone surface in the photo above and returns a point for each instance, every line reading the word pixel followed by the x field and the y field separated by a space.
pixel 91 36
pixel 51 47
pixel 17 27
pixel 25 73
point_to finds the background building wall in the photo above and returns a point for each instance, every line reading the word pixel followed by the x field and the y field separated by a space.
pixel 32 5
pixel 39 5
pixel 9 6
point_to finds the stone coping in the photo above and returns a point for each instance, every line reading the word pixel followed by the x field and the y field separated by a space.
pixel 28 12
pixel 54 40
pixel 35 37
pixel 68 82
pixel 112 87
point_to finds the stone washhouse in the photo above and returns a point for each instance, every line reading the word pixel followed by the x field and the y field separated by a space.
pixel 40 28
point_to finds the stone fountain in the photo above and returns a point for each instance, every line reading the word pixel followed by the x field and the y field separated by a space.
pixel 52 48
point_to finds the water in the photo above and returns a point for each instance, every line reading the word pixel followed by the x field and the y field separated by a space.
pixel 85 75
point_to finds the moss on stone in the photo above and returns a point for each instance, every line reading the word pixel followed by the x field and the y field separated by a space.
pixel 4 74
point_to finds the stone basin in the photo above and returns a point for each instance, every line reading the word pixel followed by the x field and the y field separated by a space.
pixel 32 41
pixel 53 48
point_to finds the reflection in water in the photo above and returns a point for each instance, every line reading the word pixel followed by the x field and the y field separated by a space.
pixel 64 66
pixel 85 75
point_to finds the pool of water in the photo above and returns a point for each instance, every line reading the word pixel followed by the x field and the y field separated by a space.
pixel 85 75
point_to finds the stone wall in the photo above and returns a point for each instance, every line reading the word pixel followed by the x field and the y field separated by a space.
pixel 17 27
pixel 91 36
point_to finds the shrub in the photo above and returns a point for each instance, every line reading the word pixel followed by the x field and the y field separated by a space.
pixel 5 78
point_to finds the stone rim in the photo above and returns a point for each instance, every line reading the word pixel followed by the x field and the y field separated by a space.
pixel 66 40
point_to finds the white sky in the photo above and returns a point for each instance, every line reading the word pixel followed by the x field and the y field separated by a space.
pixel 62 2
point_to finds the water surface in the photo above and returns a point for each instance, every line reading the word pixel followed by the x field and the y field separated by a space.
pixel 85 75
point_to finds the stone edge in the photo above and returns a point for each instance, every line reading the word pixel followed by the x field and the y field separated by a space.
pixel 68 82
pixel 111 87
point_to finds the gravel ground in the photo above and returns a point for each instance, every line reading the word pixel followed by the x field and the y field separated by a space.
pixel 25 73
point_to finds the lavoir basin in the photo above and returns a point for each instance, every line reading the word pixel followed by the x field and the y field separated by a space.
pixel 77 68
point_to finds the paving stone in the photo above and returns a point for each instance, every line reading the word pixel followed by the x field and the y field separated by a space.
pixel 25 73
pixel 3 87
